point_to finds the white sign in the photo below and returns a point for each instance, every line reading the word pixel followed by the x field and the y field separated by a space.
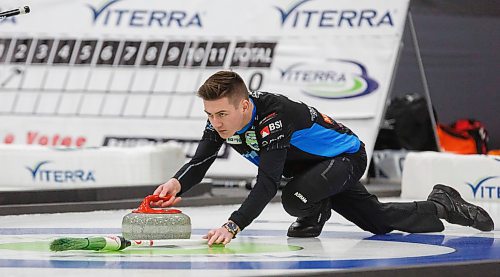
pixel 36 167
pixel 125 73
pixel 475 177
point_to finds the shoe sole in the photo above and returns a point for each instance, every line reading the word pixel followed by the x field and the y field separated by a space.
pixel 302 235
pixel 454 193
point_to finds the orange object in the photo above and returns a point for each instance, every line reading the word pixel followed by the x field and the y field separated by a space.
pixel 454 142
pixel 494 152
pixel 464 136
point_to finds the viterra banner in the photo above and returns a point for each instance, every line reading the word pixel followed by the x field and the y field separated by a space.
pixel 87 73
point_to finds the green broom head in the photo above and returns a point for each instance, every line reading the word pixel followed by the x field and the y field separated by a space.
pixel 65 244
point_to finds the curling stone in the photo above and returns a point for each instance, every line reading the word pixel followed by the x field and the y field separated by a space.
pixel 146 223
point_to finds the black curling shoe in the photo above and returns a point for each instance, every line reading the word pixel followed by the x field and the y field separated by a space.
pixel 458 211
pixel 311 226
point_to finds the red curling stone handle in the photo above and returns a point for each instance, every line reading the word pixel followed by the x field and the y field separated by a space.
pixel 145 207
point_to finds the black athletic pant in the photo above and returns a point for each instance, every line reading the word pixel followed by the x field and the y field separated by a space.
pixel 337 179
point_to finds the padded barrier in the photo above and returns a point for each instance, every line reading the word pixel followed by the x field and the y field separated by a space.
pixel 476 177
pixel 26 167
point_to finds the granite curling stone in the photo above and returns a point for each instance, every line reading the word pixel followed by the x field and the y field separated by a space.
pixel 146 223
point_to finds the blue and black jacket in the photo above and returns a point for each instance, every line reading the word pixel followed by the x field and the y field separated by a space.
pixel 284 138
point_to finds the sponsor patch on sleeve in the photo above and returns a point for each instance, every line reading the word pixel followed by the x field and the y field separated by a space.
pixel 273 134
pixel 234 140
pixel 271 128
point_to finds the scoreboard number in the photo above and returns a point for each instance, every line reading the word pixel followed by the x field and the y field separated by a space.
pixel 173 54
pixel 64 51
pixel 217 54
pixel 108 52
pixel 86 52
pixel 42 51
pixel 21 51
pixel 151 53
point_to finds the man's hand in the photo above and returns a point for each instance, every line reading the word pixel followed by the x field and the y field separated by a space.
pixel 171 187
pixel 217 236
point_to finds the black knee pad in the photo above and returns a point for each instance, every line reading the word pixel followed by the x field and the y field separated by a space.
pixel 296 204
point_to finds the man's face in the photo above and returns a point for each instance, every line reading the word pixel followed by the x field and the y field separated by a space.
pixel 225 117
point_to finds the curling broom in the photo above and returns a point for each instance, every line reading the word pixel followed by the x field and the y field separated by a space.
pixel 115 243
pixel 14 12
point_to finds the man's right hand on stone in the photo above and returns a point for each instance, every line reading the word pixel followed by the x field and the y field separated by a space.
pixel 171 187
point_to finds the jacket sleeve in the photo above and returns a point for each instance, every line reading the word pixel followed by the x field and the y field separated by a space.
pixel 193 172
pixel 268 179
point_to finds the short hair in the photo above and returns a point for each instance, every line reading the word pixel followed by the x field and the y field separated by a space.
pixel 224 84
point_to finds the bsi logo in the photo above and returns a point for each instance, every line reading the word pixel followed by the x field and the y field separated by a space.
pixel 60 176
pixel 486 188
pixel 275 126
pixel 271 128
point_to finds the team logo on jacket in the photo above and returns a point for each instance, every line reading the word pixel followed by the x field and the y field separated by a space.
pixel 271 128
pixel 265 132
pixel 313 113
pixel 251 140
pixel 234 140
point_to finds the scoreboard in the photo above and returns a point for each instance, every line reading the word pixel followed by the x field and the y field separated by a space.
pixel 75 77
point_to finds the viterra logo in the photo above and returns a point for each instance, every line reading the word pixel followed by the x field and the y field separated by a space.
pixel 484 189
pixel 332 79
pixel 60 176
pixel 300 15
pixel 108 15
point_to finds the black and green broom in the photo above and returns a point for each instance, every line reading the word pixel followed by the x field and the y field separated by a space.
pixel 115 243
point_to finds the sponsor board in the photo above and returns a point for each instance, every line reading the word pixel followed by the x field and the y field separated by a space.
pixel 36 168
pixel 475 177
pixel 46 139
pixel 46 172
pixel 485 188
pixel 118 73
pixel 334 79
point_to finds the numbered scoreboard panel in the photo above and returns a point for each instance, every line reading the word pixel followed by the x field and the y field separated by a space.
pixel 119 78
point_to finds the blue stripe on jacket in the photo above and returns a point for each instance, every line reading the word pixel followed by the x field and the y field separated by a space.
pixel 321 141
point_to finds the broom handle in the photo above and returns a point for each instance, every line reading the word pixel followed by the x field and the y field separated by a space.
pixel 114 243
pixel 176 242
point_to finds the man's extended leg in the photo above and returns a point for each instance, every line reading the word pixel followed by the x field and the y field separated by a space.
pixel 363 209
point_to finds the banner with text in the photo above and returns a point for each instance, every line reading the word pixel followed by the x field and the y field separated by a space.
pixel 85 73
